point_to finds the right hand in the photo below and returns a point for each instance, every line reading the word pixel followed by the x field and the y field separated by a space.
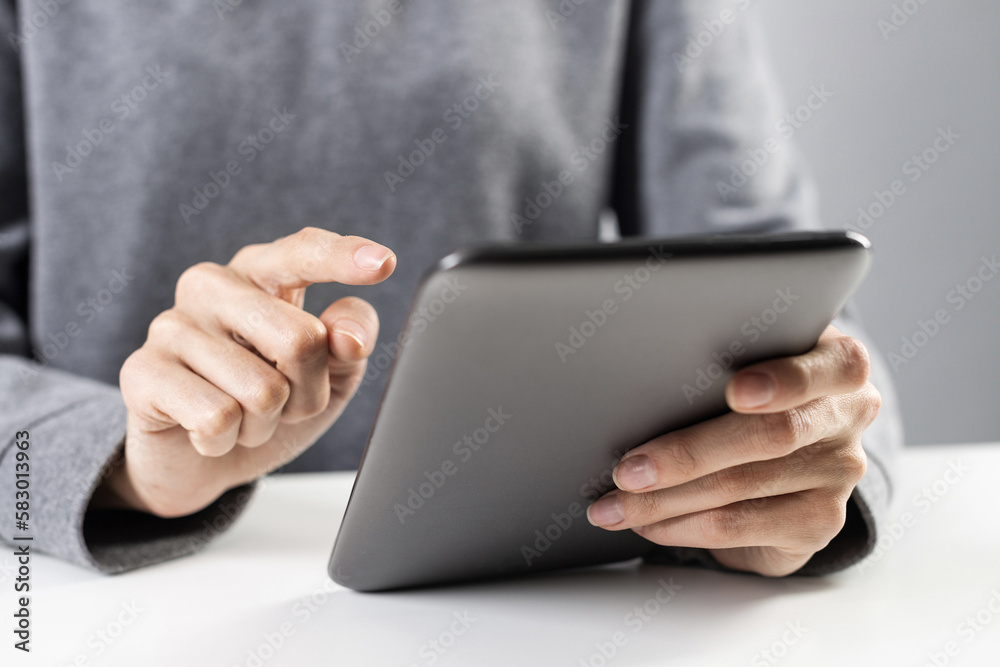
pixel 236 379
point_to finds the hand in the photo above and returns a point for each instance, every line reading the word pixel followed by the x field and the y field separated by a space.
pixel 766 486
pixel 236 379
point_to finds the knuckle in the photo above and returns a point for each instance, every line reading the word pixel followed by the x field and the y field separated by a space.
pixel 855 360
pixel 853 464
pixel 825 518
pixel 307 405
pixel 217 421
pixel 780 432
pixel 310 235
pixel 725 526
pixel 799 376
pixel 244 254
pixel 192 281
pixel 836 518
pixel 253 440
pixel 679 457
pixel 135 369
pixel 166 326
pixel 307 340
pixel 261 308
pixel 639 508
pixel 269 396
pixel 871 404
pixel 141 374
pixel 134 364
pixel 737 482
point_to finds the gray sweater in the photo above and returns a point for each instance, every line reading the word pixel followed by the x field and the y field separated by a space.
pixel 137 139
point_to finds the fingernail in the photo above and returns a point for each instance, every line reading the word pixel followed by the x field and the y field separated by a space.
pixel 351 329
pixel 753 390
pixel 607 511
pixel 635 473
pixel 371 257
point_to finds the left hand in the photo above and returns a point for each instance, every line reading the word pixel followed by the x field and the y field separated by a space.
pixel 766 486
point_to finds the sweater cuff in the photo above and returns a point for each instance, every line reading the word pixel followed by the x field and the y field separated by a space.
pixel 122 540
pixel 70 452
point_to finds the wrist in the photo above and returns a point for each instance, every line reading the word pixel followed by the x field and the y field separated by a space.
pixel 108 493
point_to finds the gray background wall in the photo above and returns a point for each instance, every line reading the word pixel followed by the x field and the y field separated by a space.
pixel 892 93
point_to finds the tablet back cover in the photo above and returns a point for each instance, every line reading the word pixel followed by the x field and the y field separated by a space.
pixel 525 374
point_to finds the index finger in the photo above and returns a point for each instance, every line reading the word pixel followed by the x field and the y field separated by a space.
pixel 838 364
pixel 726 442
pixel 313 255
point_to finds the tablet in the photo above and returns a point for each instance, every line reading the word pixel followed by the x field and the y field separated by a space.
pixel 525 371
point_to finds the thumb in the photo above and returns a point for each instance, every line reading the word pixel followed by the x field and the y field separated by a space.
pixel 352 326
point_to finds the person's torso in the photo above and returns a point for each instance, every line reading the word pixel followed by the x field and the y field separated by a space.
pixel 165 134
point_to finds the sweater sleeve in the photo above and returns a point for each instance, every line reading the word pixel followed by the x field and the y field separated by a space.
pixel 710 152
pixel 74 427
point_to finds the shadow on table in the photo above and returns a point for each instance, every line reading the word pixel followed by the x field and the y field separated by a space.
pixel 635 610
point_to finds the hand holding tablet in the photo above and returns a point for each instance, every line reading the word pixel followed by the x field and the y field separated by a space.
pixel 765 486
pixel 657 329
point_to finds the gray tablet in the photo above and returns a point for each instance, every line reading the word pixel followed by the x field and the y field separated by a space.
pixel 526 371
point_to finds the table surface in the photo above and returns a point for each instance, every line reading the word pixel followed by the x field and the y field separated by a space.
pixel 259 595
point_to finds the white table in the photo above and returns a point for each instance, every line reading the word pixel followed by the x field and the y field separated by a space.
pixel 264 583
